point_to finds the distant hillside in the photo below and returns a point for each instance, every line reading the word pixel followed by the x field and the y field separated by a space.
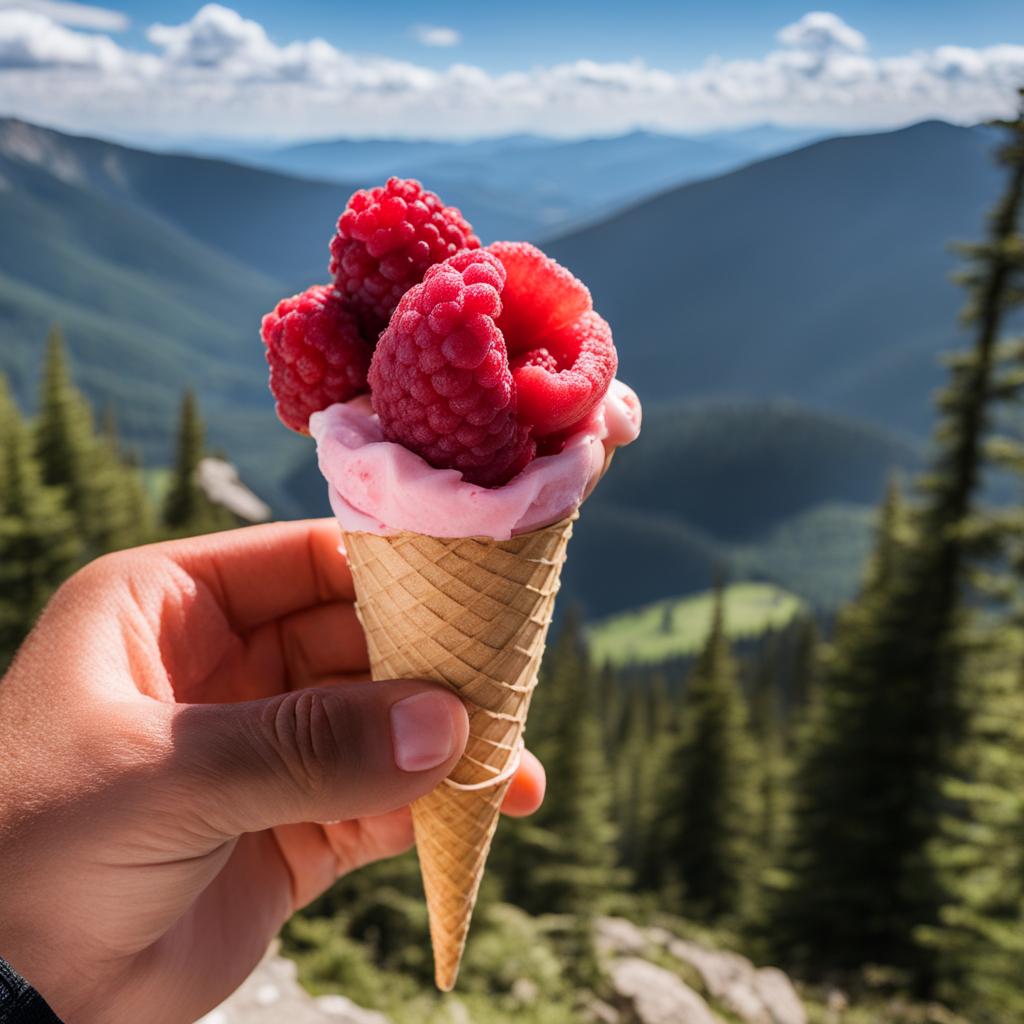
pixel 736 469
pixel 275 224
pixel 820 275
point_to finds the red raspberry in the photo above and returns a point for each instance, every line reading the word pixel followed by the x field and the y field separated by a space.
pixel 386 239
pixel 563 357
pixel 440 379
pixel 316 354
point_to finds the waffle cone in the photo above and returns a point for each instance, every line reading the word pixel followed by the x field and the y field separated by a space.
pixel 472 613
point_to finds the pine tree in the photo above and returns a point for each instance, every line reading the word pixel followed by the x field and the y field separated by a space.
pixel 805 675
pixel 870 794
pixel 38 546
pixel 979 939
pixel 979 854
pixel 580 873
pixel 710 809
pixel 186 509
pixel 63 431
pixel 766 725
pixel 640 757
pixel 98 489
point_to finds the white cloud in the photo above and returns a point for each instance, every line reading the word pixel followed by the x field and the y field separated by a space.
pixel 822 32
pixel 66 13
pixel 221 73
pixel 437 35
pixel 29 39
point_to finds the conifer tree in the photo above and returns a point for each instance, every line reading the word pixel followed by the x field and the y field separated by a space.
pixel 63 431
pixel 806 667
pixel 97 488
pixel 979 855
pixel 38 546
pixel 978 942
pixel 186 509
pixel 710 798
pixel 647 737
pixel 580 872
pixel 881 738
pixel 766 724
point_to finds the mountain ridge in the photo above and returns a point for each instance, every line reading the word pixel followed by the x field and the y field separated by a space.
pixel 844 299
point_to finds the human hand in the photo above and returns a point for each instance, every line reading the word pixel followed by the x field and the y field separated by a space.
pixel 171 731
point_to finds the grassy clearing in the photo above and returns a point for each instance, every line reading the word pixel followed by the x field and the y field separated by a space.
pixel 677 626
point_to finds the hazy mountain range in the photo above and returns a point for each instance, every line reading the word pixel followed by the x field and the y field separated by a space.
pixel 543 182
pixel 818 276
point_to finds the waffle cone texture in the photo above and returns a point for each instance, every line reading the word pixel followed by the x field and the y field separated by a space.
pixel 472 613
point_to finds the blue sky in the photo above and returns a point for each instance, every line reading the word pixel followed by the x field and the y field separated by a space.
pixel 672 35
pixel 259 69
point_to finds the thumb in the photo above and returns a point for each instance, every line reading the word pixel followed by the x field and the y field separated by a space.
pixel 324 754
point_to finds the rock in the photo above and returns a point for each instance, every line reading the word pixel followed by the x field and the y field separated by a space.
pixel 616 936
pixel 756 995
pixel 649 994
pixel 272 995
pixel 779 996
pixel 220 482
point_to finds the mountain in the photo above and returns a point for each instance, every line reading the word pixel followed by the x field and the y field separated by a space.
pixel 92 237
pixel 555 181
pixel 817 276
pixel 765 139
pixel 273 223
pixel 820 275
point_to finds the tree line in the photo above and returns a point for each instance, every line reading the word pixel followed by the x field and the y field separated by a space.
pixel 71 491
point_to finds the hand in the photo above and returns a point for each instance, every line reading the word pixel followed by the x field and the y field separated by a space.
pixel 170 733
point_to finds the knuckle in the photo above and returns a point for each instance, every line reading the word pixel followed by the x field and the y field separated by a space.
pixel 304 734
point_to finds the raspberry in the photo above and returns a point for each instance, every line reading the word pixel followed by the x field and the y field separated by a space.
pixel 387 237
pixel 563 357
pixel 440 379
pixel 316 354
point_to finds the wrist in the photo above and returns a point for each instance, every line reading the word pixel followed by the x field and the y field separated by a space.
pixel 20 1001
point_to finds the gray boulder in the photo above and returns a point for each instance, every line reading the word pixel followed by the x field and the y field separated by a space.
pixel 615 936
pixel 757 995
pixel 648 994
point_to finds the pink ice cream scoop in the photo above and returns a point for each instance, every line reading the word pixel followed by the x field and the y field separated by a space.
pixel 379 486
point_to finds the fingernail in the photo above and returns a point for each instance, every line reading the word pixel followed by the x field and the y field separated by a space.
pixel 422 731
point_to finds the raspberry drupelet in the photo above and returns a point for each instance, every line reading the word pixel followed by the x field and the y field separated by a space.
pixel 386 239
pixel 316 354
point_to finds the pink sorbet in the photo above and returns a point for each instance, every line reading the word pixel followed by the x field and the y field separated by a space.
pixel 377 486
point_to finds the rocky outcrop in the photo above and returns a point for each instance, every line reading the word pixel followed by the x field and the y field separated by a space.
pixel 756 995
pixel 272 995
pixel 643 990
pixel 648 994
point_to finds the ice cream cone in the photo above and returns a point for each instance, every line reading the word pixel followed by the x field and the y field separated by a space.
pixel 472 613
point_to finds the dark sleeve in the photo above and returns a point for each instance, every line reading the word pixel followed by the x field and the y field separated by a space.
pixel 20 1003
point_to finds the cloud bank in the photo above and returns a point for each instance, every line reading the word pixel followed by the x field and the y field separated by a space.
pixel 221 73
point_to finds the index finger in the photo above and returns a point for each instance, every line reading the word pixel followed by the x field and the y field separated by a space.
pixel 261 573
